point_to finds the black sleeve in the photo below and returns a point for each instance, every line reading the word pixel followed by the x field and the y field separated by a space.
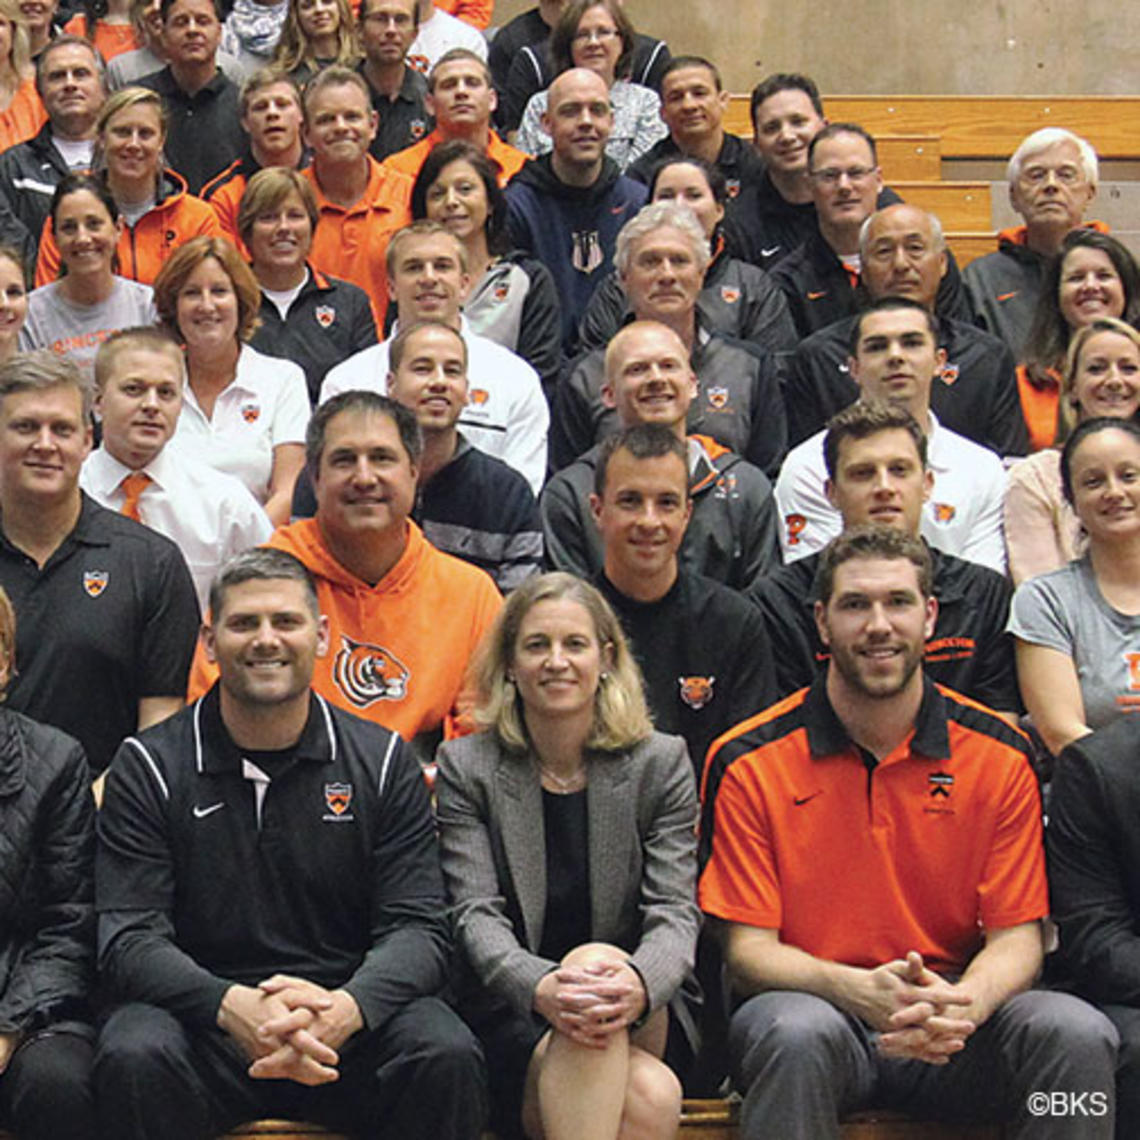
pixel 572 427
pixel 995 672
pixel 754 671
pixel 767 321
pixel 793 649
pixel 768 437
pixel 758 524
pixel 15 233
pixel 564 533
pixel 170 633
pixel 362 321
pixel 540 332
pixel 1090 896
pixel 951 301
pixel 814 393
pixel 1007 433
pixel 526 77
pixel 603 315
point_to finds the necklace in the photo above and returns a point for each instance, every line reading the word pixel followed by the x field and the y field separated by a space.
pixel 564 784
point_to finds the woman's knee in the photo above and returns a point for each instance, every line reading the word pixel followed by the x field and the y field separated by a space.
pixel 652 1100
pixel 593 954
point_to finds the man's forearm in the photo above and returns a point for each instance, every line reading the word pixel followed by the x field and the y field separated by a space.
pixel 1008 964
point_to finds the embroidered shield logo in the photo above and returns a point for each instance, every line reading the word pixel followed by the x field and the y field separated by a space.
pixel 718 398
pixel 949 374
pixel 729 294
pixel 732 187
pixel 502 291
pixel 417 128
pixel 325 315
pixel 696 692
pixel 250 413
pixel 338 797
pixel 95 582
pixel 479 396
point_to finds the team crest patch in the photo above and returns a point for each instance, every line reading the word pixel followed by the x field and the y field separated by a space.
pixel 325 315
pixel 729 294
pixel 95 582
pixel 338 797
pixel 718 398
pixel 369 673
pixel 941 784
pixel 732 187
pixel 502 292
pixel 250 413
pixel 944 512
pixel 696 692
pixel 949 374
pixel 417 128
pixel 795 525
pixel 478 396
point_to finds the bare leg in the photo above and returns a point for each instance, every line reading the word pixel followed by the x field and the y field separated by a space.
pixel 652 1109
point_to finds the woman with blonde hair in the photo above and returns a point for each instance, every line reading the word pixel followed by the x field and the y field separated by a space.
pixel 243 413
pixel 1101 378
pixel 317 33
pixel 568 836
pixel 158 212
pixel 21 110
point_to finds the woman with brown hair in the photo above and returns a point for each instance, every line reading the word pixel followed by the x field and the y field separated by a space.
pixel 317 33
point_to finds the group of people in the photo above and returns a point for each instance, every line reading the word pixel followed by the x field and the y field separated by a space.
pixel 517 602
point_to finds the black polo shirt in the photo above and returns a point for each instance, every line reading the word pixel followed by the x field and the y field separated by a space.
pixel 403 120
pixel 111 618
pixel 738 162
pixel 975 394
pixel 205 133
pixel 970 651
pixel 703 651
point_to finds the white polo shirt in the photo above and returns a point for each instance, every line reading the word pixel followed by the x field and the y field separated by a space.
pixel 266 405
pixel 440 34
pixel 209 516
pixel 506 414
pixel 962 517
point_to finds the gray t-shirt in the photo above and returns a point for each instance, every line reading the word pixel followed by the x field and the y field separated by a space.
pixel 1065 610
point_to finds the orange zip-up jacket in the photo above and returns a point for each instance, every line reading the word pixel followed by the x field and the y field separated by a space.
pixel 398 651
pixel 176 218
pixel 409 160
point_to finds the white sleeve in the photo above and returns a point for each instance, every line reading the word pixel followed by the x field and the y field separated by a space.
pixel 985 538
pixel 531 138
pixel 808 522
pixel 527 429
pixel 291 413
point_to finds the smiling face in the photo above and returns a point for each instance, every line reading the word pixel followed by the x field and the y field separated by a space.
pixel 557 660
pixel 896 359
pixel 265 642
pixel 901 257
pixel 43 443
pixel 1107 382
pixel 132 142
pixel 272 120
pixel 427 281
pixel 462 96
pixel 578 118
pixel 876 624
pixel 140 403
pixel 366 481
pixel 432 378
pixel 457 199
pixel 38 15
pixel 13 301
pixel 649 378
pixel 784 125
pixel 687 185
pixel 280 238
pixel 664 278
pixel 1105 474
pixel 597 45
pixel 880 479
pixel 85 233
pixel 691 106
pixel 318 18
pixel 341 124
pixel 845 181
pixel 207 309
pixel 1089 287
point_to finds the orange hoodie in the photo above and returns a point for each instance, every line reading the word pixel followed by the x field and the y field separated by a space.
pixel 398 650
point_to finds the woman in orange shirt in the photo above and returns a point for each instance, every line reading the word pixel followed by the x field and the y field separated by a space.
pixel 21 112
pixel 108 25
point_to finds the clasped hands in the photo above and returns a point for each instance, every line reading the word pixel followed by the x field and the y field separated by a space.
pixel 289 1028
pixel 592 1001
pixel 920 1016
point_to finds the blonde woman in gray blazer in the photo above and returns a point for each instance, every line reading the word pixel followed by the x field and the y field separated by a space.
pixel 568 838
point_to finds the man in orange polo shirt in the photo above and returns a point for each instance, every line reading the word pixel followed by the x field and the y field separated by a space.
pixel 462 99
pixel 361 204
pixel 878 879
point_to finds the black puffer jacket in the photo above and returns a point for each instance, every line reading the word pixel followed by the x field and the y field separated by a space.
pixel 47 846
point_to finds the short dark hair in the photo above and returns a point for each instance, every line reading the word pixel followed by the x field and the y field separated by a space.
pixel 443 155
pixel 872 541
pixel 362 12
pixel 714 176
pixel 75 181
pixel 41 369
pixel 783 81
pixel 261 564
pixel 1080 433
pixel 833 129
pixel 886 305
pixel 399 343
pixel 165 6
pixel 863 419
pixel 361 403
pixel 680 62
pixel 642 441
pixel 145 337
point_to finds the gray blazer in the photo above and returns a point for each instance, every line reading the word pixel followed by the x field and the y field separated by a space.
pixel 642 817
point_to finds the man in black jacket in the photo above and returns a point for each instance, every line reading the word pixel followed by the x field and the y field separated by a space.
pixel 270 902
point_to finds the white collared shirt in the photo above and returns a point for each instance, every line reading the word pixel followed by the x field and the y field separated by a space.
pixel 963 515
pixel 209 516
pixel 506 414
pixel 266 405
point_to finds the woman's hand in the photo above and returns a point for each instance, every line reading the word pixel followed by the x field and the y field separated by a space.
pixel 590 1003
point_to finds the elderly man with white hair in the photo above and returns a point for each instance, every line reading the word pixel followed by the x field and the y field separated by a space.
pixel 1052 179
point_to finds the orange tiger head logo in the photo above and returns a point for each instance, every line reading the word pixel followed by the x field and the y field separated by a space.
pixel 696 692
pixel 368 673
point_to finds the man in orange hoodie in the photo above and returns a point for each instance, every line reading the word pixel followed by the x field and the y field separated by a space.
pixel 404 618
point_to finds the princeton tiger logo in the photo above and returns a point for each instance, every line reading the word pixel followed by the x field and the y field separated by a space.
pixel 368 673
pixel 732 187
pixel 338 797
pixel 478 396
pixel 95 582
pixel 718 398
pixel 502 292
pixel 1133 660
pixel 250 413
pixel 949 374
pixel 325 315
pixel 696 692
pixel 729 294
pixel 944 512
pixel 795 525
pixel 417 128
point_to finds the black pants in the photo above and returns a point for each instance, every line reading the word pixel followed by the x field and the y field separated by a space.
pixel 46 1091
pixel 419 1076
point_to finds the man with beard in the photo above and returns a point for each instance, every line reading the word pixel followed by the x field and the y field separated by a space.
pixel 878 878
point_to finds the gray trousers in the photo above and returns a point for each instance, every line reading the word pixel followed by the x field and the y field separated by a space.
pixel 801 1064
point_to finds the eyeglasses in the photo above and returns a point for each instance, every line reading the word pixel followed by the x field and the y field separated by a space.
pixel 602 35
pixel 831 175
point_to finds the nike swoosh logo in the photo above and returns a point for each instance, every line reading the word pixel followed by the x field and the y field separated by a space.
pixel 769 252
pixel 816 296
pixel 202 812
pixel 799 801
pixel 1006 296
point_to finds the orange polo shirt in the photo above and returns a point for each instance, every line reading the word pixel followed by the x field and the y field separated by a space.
pixel 939 842
pixel 351 242
pixel 409 160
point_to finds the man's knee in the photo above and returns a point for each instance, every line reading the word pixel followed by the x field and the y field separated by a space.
pixel 50 1087
pixel 135 1039
pixel 433 1036
pixel 1081 1030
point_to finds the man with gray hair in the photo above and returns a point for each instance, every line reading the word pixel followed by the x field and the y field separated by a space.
pixel 903 254
pixel 1052 179
pixel 106 612
pixel 661 258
